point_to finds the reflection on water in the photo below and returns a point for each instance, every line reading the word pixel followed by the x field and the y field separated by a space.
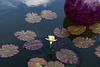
pixel 30 3
pixel 87 33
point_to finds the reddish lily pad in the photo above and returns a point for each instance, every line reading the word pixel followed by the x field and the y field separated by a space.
pixel 33 45
pixel 8 50
pixel 82 42
pixel 33 18
pixel 61 32
pixel 36 62
pixel 48 14
pixel 56 44
pixel 67 56
pixel 25 35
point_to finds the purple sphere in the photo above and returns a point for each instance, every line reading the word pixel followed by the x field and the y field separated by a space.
pixel 83 12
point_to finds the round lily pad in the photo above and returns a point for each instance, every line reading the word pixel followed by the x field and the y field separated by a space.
pixel 61 32
pixel 76 30
pixel 36 62
pixel 48 14
pixel 8 50
pixel 67 56
pixel 25 35
pixel 33 45
pixel 33 17
pixel 83 42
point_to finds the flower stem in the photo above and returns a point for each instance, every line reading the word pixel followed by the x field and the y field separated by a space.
pixel 50 45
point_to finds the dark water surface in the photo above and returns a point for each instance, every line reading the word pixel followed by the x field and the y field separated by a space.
pixel 12 19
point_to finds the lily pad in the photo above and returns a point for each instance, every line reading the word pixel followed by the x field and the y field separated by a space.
pixel 61 32
pixel 97 52
pixel 48 14
pixel 95 28
pixel 82 42
pixel 36 62
pixel 33 18
pixel 8 50
pixel 56 44
pixel 98 48
pixel 54 64
pixel 67 56
pixel 25 35
pixel 33 45
pixel 76 30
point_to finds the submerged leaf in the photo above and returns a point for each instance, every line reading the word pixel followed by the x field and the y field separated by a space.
pixel 25 35
pixel 48 14
pixel 33 45
pixel 56 44
pixel 82 42
pixel 76 30
pixel 67 56
pixel 33 18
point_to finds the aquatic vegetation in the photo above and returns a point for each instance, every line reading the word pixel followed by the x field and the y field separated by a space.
pixel 83 42
pixel 98 48
pixel 67 56
pixel 33 17
pixel 54 64
pixel 25 35
pixel 97 52
pixel 95 28
pixel 36 62
pixel 33 45
pixel 61 32
pixel 51 38
pixel 76 30
pixel 48 14
pixel 56 44
pixel 8 50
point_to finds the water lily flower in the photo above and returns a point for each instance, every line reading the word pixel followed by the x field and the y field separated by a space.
pixel 51 39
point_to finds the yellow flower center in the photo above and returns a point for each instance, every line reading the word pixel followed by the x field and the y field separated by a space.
pixel 51 37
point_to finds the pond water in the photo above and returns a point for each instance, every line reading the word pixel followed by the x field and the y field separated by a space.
pixel 12 19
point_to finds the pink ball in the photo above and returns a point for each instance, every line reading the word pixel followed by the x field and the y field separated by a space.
pixel 83 12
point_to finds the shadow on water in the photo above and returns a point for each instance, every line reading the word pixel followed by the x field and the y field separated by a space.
pixel 87 33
